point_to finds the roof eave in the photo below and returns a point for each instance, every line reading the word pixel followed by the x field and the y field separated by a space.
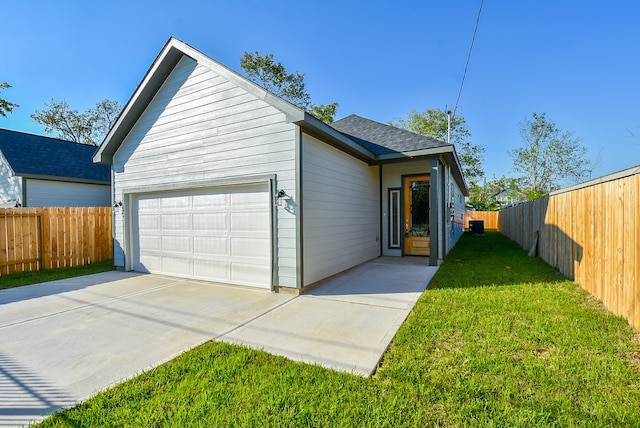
pixel 64 179
pixel 145 91
pixel 433 151
pixel 319 129
pixel 448 152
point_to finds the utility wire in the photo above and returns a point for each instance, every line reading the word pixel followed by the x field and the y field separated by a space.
pixel 466 66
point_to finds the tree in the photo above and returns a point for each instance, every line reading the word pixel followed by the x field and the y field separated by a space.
pixel 6 106
pixel 89 127
pixel 495 194
pixel 549 158
pixel 433 123
pixel 324 112
pixel 273 76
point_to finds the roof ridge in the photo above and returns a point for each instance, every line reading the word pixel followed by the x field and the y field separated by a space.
pixel 45 136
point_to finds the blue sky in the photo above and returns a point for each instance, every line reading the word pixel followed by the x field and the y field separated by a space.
pixel 579 61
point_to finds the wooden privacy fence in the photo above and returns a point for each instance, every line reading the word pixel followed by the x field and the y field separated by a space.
pixel 45 238
pixel 490 218
pixel 591 234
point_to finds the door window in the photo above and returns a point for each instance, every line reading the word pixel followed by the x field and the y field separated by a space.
pixel 419 225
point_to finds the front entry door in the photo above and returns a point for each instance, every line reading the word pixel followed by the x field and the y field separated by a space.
pixel 416 215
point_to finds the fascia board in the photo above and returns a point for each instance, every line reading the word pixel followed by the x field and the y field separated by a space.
pixel 63 179
pixel 414 154
pixel 145 91
pixel 162 66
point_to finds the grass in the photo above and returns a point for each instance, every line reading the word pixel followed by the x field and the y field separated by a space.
pixel 35 277
pixel 498 339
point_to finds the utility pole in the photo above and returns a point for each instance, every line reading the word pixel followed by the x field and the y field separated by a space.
pixel 448 126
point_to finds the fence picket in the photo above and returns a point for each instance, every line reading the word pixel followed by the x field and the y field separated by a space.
pixel 590 235
pixel 43 238
pixel 490 218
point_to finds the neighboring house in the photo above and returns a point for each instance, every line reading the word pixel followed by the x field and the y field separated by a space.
pixel 221 180
pixel 37 171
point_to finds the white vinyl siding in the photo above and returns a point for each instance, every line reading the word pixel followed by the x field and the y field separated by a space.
pixel 221 234
pixel 200 128
pixel 341 222
pixel 44 193
pixel 10 185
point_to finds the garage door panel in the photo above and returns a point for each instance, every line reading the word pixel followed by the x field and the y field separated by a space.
pixel 221 234
pixel 176 244
pixel 149 204
pixel 245 273
pixel 149 263
pixel 171 202
pixel 211 245
pixel 249 247
pixel 149 222
pixel 210 221
pixel 249 198
pixel 210 200
pixel 176 221
pixel 249 221
pixel 178 266
pixel 213 270
pixel 151 243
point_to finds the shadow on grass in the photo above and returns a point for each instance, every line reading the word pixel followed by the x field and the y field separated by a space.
pixel 489 260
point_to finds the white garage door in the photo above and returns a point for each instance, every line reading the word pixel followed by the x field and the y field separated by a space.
pixel 220 234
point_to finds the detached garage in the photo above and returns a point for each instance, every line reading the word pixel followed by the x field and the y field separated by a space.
pixel 215 178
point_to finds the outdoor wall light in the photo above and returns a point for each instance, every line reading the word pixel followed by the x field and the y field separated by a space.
pixel 117 204
pixel 279 196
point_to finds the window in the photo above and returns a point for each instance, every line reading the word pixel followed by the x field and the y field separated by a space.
pixel 419 197
pixel 394 218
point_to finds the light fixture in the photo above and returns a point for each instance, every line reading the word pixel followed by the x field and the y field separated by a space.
pixel 279 196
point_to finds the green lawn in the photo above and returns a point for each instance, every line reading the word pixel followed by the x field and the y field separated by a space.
pixel 35 277
pixel 498 339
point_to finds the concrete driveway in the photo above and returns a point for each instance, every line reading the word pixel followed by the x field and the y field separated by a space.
pixel 63 341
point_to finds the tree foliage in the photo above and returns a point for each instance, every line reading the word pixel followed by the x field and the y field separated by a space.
pixel 324 112
pixel 550 157
pixel 6 106
pixel 433 123
pixel 89 127
pixel 273 76
pixel 496 194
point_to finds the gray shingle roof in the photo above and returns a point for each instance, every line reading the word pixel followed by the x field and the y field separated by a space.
pixel 383 139
pixel 30 154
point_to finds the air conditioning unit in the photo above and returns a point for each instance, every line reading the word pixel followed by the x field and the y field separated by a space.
pixel 476 227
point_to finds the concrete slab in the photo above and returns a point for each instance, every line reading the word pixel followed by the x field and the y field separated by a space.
pixel 65 340
pixel 385 281
pixel 58 349
pixel 347 323
pixel 336 334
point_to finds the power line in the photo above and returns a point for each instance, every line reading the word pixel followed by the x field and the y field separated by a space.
pixel 466 66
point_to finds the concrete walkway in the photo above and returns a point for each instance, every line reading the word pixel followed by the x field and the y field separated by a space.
pixel 63 341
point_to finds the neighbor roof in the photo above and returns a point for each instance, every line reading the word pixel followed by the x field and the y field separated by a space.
pixel 35 156
pixel 383 139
